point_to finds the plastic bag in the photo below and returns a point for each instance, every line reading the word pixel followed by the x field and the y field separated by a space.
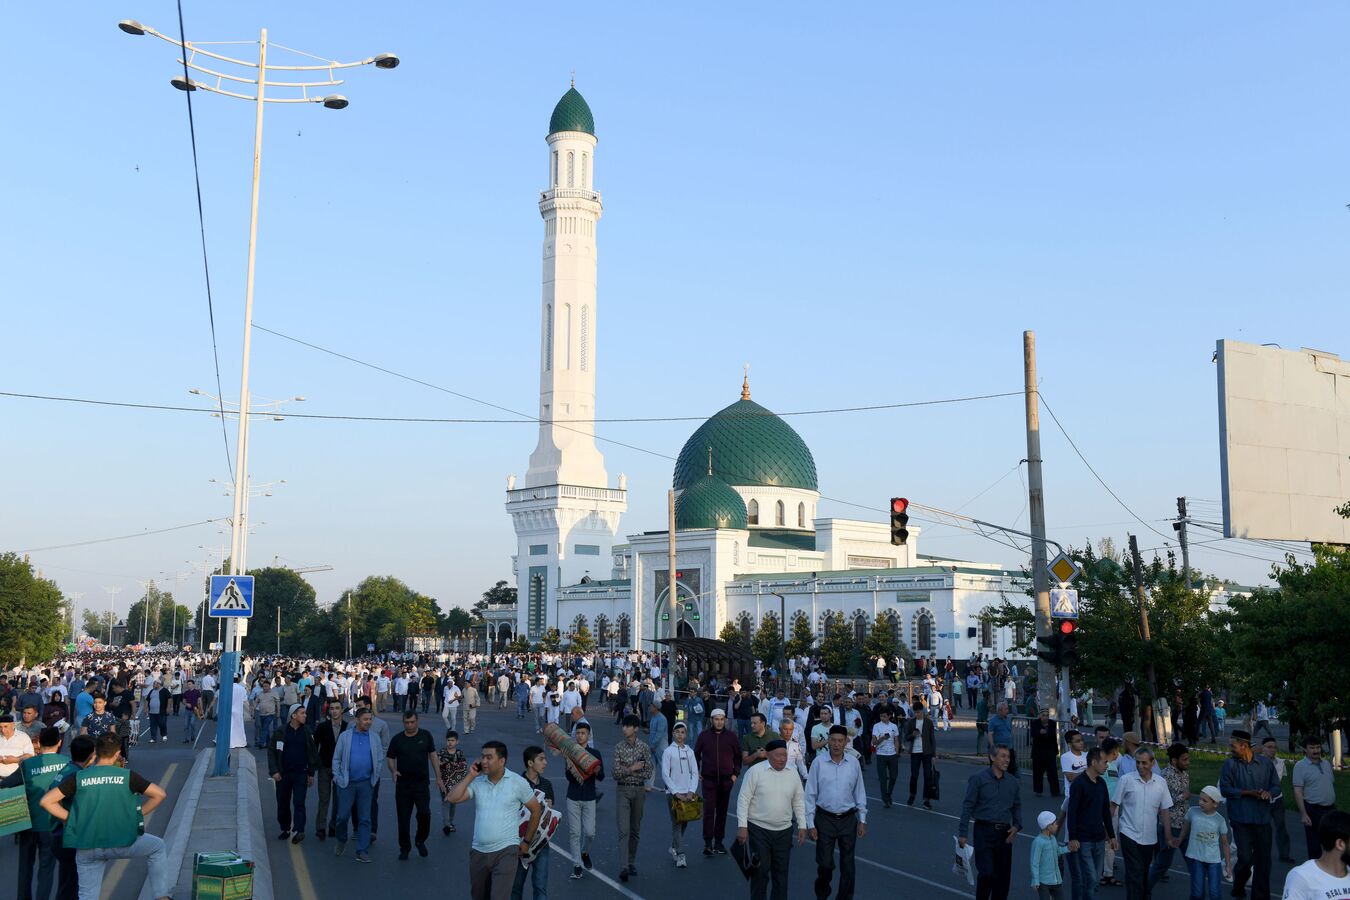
pixel 965 861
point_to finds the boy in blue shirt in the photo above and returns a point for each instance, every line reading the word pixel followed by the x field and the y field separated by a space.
pixel 1045 853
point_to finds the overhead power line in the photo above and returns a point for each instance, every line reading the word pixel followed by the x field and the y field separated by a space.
pixel 123 537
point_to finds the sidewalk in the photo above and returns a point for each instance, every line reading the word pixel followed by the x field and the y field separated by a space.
pixel 218 814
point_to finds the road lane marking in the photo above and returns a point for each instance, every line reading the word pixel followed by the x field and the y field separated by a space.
pixel 935 884
pixel 593 873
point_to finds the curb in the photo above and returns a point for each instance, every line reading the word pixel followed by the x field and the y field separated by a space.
pixel 180 824
pixel 251 837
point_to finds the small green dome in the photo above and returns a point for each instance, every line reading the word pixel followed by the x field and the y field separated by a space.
pixel 572 114
pixel 750 446
pixel 709 503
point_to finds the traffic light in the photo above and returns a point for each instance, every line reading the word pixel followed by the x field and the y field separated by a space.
pixel 899 521
pixel 1052 648
pixel 1068 643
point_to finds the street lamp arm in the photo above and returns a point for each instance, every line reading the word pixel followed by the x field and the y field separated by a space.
pixel 285 84
pixel 220 90
pixel 381 61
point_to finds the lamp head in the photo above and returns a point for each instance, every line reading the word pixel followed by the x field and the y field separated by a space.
pixel 131 26
pixel 335 101
pixel 387 61
pixel 183 84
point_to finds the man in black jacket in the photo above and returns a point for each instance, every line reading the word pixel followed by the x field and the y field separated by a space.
pixel 921 739
pixel 1088 825
pixel 1044 752
pixel 325 737
pixel 292 758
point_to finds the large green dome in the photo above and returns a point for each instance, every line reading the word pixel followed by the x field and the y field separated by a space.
pixel 572 114
pixel 709 503
pixel 750 446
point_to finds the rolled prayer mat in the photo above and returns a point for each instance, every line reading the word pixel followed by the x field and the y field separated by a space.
pixel 583 764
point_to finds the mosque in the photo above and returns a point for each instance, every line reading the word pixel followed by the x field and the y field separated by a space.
pixel 749 544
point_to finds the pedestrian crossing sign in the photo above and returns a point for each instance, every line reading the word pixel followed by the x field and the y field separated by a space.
pixel 231 597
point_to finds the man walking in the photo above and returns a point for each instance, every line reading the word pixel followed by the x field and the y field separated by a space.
pixel 1044 752
pixel 993 802
pixel 1314 792
pixel 836 813
pixel 921 738
pixel 325 738
pixel 37 846
pixel 1143 801
pixel 886 747
pixel 1178 780
pixel 356 772
pixel 1247 781
pixel 581 799
pixel 1000 733
pixel 771 799
pixel 633 765
pixel 411 753
pixel 498 796
pixel 106 822
pixel 292 759
pixel 1270 748
pixel 718 752
pixel 1088 825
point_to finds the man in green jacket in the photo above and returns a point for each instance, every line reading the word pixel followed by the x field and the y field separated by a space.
pixel 106 820
pixel 36 845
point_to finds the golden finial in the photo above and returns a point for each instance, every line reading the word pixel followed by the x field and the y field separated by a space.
pixel 574 78
pixel 745 384
pixel 710 467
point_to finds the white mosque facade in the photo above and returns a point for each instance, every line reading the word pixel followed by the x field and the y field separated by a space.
pixel 749 542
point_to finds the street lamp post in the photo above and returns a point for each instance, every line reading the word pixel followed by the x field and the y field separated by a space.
pixel 238 527
pixel 782 643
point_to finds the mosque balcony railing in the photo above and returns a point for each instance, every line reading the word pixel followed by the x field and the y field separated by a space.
pixel 570 194
pixel 565 492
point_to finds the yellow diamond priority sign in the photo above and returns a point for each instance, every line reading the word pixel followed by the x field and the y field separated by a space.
pixel 1064 569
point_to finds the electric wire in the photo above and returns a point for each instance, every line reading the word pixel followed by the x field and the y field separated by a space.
pixel 201 221
pixel 122 537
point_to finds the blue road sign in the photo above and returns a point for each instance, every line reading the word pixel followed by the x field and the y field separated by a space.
pixel 1063 603
pixel 231 597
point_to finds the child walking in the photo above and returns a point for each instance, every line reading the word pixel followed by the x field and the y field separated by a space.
pixel 1046 878
pixel 1208 855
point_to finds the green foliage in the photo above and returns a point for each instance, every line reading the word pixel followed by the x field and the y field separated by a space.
pixel 582 639
pixel 381 610
pixel 1282 643
pixel 731 633
pixel 1010 615
pixel 801 638
pixel 767 644
pixel 30 610
pixel 163 625
pixel 282 588
pixel 1185 635
pixel 499 593
pixel 458 620
pixel 837 650
pixel 551 641
pixel 97 624
pixel 881 641
pixel 519 644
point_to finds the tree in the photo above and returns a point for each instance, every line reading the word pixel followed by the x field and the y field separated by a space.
pixel 731 634
pixel 383 611
pixel 30 608
pixel 802 639
pixel 881 640
pixel 459 620
pixel 582 639
pixel 499 594
pixel 837 650
pixel 146 616
pixel 767 644
pixel 280 588
pixel 519 644
pixel 97 625
pixel 1281 644
pixel 551 642
pixel 1017 617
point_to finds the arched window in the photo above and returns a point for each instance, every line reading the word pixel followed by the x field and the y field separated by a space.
pixel 923 632
pixel 801 515
pixel 986 634
pixel 585 334
pixel 859 630
pixel 577 624
pixel 548 337
pixel 625 625
pixel 602 631
pixel 567 334
pixel 752 513
pixel 553 171
pixel 779 514
pixel 571 168
pixel 585 169
pixel 745 628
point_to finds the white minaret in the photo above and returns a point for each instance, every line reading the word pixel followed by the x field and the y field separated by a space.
pixel 565 515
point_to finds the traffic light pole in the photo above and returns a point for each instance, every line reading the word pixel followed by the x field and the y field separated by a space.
pixel 1142 596
pixel 1045 672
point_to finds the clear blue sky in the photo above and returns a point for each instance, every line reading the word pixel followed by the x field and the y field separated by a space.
pixel 867 208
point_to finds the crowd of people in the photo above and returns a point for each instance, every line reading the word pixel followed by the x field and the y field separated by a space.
pixel 797 749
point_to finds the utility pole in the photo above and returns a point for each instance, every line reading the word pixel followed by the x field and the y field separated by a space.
pixel 672 597
pixel 1138 566
pixel 1180 527
pixel 1040 578
pixel 112 615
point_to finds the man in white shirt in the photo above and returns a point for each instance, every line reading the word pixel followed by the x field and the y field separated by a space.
pixel 537 692
pixel 1143 801
pixel 1325 877
pixel 771 799
pixel 796 750
pixel 1072 762
pixel 381 692
pixel 571 698
pixel 15 746
pixel 886 748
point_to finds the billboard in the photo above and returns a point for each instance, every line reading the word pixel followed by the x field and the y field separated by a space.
pixel 1284 442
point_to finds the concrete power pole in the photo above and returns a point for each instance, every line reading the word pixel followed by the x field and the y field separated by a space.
pixel 1142 597
pixel 1180 526
pixel 1040 578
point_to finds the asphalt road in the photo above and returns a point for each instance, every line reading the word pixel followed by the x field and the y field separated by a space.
pixel 906 848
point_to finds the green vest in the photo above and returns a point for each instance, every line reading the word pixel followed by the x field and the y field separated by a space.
pixel 104 812
pixel 39 776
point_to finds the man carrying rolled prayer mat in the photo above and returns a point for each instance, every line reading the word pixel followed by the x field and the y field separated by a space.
pixel 581 800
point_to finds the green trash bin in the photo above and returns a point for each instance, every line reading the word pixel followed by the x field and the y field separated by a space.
pixel 222 875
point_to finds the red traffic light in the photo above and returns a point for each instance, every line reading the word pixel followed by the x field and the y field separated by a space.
pixel 899 505
pixel 1067 627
